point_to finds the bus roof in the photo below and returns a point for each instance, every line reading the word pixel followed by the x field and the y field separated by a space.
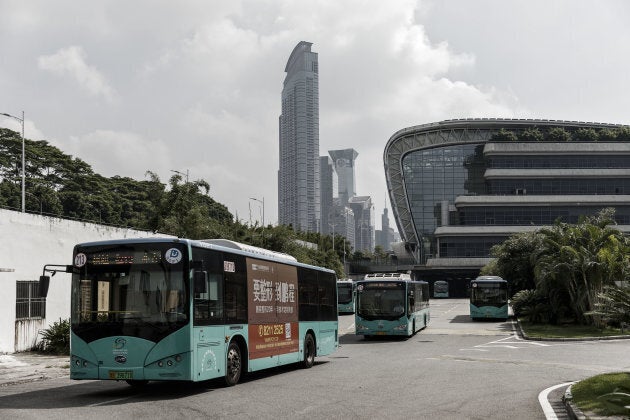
pixel 219 244
pixel 389 277
pixel 250 248
pixel 385 276
pixel 495 279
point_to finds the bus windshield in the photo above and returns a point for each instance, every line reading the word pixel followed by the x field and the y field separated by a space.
pixel 489 294
pixel 440 288
pixel 384 300
pixel 135 289
pixel 344 292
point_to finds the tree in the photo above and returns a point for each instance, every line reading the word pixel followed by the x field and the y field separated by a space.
pixel 516 259
pixel 558 134
pixel 607 135
pixel 586 134
pixel 623 133
pixel 577 261
pixel 504 135
pixel 613 306
pixel 531 134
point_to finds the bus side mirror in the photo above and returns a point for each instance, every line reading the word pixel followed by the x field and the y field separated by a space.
pixel 44 282
pixel 200 281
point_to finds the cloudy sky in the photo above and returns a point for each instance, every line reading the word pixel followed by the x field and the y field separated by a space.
pixel 136 86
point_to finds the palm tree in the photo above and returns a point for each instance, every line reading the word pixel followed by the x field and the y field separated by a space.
pixel 579 260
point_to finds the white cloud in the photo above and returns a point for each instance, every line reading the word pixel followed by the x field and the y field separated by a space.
pixel 70 61
pixel 113 153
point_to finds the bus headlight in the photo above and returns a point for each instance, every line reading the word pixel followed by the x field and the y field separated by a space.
pixel 362 327
pixel 401 327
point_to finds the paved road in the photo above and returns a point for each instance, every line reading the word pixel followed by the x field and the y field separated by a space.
pixel 454 369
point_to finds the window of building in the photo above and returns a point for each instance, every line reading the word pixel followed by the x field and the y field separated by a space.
pixel 28 302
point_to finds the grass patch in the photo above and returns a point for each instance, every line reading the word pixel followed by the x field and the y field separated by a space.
pixel 566 330
pixel 604 395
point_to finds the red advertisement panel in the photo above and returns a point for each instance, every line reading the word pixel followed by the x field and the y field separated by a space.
pixel 273 308
pixel 272 292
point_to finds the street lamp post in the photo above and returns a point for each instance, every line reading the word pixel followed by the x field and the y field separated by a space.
pixel 263 208
pixel 21 120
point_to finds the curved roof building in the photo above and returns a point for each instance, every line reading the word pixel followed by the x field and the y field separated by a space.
pixel 458 187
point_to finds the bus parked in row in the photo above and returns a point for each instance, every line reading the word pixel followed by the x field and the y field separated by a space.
pixel 345 296
pixel 489 298
pixel 391 304
pixel 192 310
pixel 440 289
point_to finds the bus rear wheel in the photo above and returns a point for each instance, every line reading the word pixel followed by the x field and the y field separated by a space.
pixel 309 351
pixel 234 364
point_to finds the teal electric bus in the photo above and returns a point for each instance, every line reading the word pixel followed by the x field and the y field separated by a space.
pixel 186 310
pixel 345 296
pixel 440 289
pixel 391 304
pixel 489 298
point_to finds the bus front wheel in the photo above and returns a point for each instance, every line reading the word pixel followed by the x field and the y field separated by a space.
pixel 234 364
pixel 309 351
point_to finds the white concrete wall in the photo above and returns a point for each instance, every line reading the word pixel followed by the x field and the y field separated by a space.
pixel 27 243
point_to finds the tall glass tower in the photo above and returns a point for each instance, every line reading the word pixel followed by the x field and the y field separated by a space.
pixel 298 175
pixel 344 165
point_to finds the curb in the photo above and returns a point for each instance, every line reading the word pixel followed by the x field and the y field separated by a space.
pixel 572 410
pixel 523 335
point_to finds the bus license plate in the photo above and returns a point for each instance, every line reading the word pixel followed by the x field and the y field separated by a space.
pixel 121 374
pixel 380 332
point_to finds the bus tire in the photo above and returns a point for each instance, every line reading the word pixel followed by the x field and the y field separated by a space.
pixel 309 351
pixel 234 364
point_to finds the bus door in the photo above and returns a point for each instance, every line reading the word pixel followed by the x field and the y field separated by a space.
pixel 208 317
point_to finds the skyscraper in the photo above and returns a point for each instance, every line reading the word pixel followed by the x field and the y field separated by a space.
pixel 385 236
pixel 363 222
pixel 298 175
pixel 344 165
pixel 327 191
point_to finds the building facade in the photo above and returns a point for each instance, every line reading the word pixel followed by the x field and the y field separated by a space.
pixel 344 166
pixel 363 223
pixel 385 236
pixel 298 174
pixel 343 223
pixel 458 187
pixel 328 191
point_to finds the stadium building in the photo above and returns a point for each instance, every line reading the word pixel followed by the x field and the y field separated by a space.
pixel 458 187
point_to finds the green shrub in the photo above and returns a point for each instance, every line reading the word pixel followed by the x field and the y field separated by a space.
pixel 56 338
pixel 532 305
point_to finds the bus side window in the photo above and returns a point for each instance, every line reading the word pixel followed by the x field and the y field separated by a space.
pixel 327 293
pixel 307 292
pixel 235 291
